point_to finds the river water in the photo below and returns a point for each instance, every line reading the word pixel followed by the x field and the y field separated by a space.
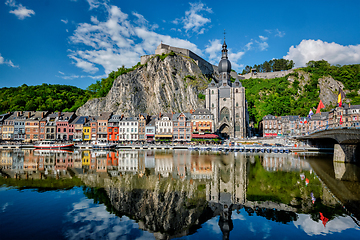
pixel 152 194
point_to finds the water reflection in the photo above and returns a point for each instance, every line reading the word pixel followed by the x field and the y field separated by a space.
pixel 175 193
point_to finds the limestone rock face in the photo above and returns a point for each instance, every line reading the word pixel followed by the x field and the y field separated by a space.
pixel 329 90
pixel 329 87
pixel 169 85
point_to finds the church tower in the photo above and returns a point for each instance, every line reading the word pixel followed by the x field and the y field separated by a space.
pixel 226 101
pixel 224 66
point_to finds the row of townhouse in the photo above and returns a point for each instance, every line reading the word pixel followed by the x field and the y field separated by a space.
pixel 31 126
pixel 345 116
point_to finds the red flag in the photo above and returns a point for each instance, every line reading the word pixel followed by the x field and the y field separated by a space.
pixel 320 106
pixel 323 219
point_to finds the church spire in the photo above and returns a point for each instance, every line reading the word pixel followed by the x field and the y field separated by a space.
pixel 224 49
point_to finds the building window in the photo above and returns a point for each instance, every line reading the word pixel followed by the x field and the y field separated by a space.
pixel 224 113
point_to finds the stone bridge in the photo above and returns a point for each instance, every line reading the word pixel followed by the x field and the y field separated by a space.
pixel 345 141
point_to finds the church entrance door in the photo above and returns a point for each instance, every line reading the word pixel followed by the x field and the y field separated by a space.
pixel 224 131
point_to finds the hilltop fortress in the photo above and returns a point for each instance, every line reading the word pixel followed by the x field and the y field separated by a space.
pixel 205 67
pixel 266 75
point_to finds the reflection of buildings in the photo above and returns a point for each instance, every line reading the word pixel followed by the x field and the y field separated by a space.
pixel 229 182
pixel 201 167
pixel 284 162
pixel 30 161
pixel 18 161
pixel 164 164
pixel 6 160
pixel 228 188
pixel 128 161
pixel 182 163
pixel 101 162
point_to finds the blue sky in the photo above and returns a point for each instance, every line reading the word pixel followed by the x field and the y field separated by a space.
pixel 77 42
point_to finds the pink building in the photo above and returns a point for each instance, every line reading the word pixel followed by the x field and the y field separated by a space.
pixel 64 128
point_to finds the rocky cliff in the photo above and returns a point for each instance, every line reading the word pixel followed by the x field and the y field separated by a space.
pixel 328 86
pixel 170 84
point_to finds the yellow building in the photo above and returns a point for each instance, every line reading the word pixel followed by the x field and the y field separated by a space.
pixel 86 158
pixel 87 132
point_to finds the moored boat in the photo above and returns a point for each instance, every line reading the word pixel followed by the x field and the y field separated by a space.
pixel 53 145
pixel 97 144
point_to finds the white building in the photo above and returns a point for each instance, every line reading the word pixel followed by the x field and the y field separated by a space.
pixel 128 129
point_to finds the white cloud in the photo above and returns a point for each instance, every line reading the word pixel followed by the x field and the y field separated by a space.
pixel 334 53
pixel 279 33
pixel 96 3
pixel 214 50
pixel 263 45
pixel 193 19
pixel 248 45
pixel 263 38
pixel 7 62
pixel 64 21
pixel 91 221
pixel 311 227
pixel 276 32
pixel 61 73
pixel 85 65
pixel 21 12
pixel 118 41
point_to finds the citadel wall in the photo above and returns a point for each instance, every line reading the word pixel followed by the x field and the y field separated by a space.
pixel 267 75
pixel 205 67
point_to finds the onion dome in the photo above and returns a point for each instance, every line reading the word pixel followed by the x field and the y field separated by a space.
pixel 224 64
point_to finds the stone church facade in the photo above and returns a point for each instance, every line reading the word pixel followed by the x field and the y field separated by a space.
pixel 226 101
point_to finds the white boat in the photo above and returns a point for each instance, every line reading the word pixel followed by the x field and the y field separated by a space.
pixel 97 144
pixel 53 145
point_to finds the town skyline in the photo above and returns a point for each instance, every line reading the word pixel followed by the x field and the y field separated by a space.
pixel 83 40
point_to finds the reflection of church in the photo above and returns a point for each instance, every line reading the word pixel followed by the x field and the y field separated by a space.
pixel 227 190
pixel 226 101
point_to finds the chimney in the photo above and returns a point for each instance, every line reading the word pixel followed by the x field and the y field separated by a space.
pixel 160 115
pixel 29 114
pixel 18 114
pixel 42 114
pixel 59 114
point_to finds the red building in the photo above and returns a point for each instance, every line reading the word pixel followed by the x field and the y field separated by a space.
pixel 113 128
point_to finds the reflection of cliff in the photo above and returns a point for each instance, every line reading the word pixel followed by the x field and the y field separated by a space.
pixel 166 207
pixel 346 191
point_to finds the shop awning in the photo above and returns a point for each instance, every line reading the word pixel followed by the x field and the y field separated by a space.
pixel 166 136
pixel 205 136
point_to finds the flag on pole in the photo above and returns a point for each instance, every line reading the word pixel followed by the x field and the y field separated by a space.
pixel 341 121
pixel 341 97
pixel 310 113
pixel 305 121
pixel 339 100
pixel 320 106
